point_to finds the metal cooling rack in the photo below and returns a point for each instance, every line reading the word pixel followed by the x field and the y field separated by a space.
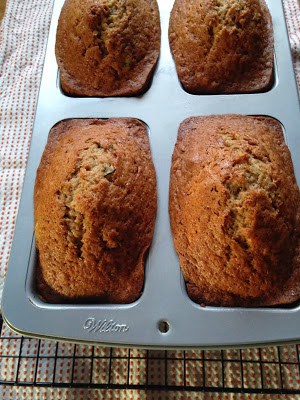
pixel 45 363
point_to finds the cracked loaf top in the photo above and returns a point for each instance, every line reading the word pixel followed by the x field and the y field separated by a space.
pixel 235 211
pixel 107 47
pixel 94 209
pixel 222 46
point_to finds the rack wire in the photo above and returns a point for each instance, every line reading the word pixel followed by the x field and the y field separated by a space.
pixel 46 363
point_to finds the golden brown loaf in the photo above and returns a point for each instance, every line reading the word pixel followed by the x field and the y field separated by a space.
pixel 95 207
pixel 222 46
pixel 107 47
pixel 234 208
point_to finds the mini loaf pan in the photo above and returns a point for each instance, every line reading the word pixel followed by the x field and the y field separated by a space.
pixel 164 316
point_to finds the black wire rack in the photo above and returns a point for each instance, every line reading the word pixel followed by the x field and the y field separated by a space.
pixel 47 363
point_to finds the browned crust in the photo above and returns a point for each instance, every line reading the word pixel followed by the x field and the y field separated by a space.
pixel 107 47
pixel 234 210
pixel 94 210
pixel 222 46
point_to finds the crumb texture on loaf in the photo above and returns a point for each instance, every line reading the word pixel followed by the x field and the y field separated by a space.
pixel 234 209
pixel 95 208
pixel 222 46
pixel 107 47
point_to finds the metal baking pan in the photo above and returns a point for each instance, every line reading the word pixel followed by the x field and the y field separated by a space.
pixel 164 316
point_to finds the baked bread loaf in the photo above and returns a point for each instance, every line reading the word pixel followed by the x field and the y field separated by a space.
pixel 234 208
pixel 94 209
pixel 107 47
pixel 222 46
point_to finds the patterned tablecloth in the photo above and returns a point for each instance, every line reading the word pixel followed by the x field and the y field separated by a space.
pixel 41 369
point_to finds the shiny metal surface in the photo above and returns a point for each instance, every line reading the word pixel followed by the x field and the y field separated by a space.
pixel 164 316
